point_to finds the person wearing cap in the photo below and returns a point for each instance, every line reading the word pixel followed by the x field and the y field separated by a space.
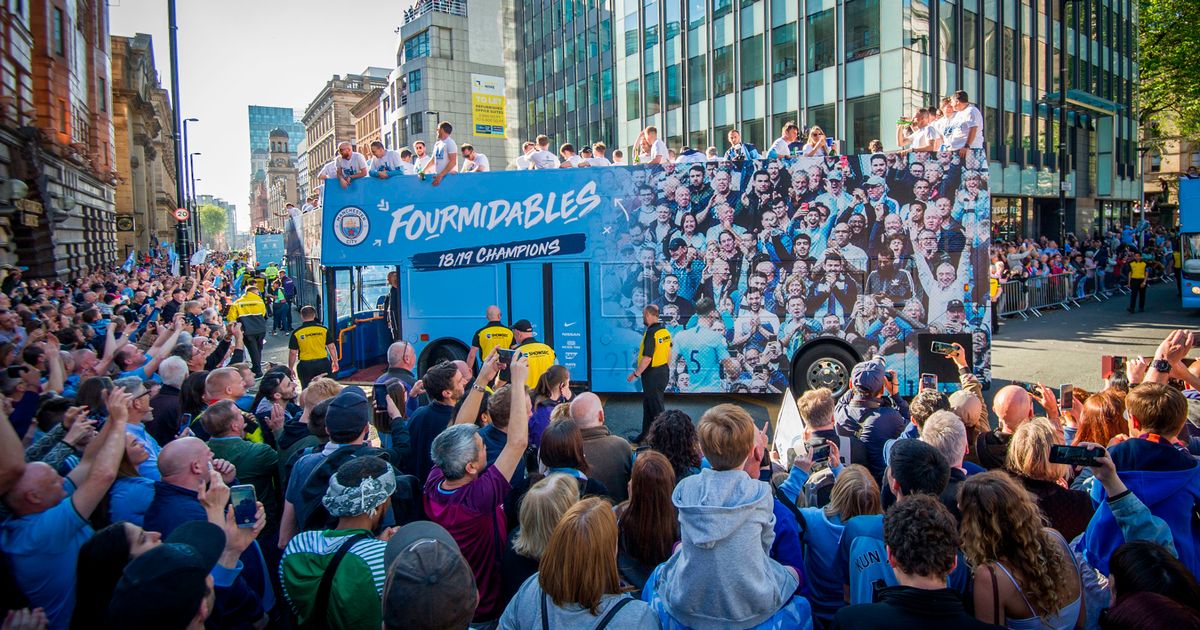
pixel 492 335
pixel 170 586
pixel 251 312
pixel 835 196
pixel 429 583
pixel 872 411
pixel 540 355
pixel 346 423
pixel 653 354
pixel 878 204
pixel 466 496
pixel 334 578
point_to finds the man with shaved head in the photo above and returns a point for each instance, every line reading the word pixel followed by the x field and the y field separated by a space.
pixel 50 516
pixel 492 335
pixel 1013 407
pixel 608 455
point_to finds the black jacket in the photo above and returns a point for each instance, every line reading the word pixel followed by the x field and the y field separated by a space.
pixel 902 607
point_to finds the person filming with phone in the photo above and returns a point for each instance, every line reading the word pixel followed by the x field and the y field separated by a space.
pixel 873 411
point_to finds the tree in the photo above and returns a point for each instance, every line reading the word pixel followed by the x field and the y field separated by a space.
pixel 1169 83
pixel 212 222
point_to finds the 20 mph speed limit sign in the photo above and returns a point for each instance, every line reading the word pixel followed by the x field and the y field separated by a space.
pixel 181 214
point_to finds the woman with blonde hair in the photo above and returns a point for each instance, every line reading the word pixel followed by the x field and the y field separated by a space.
pixel 1028 459
pixel 577 585
pixel 816 145
pixel 542 508
pixel 1025 575
pixel 854 493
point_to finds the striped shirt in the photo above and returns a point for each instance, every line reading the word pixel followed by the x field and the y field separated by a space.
pixel 352 601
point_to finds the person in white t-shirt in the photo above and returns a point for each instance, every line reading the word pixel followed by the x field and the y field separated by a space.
pixel 421 158
pixel 598 158
pixel 569 159
pixel 543 157
pixel 348 165
pixel 618 157
pixel 384 161
pixel 943 124
pixel 783 144
pixel 476 162
pixel 406 162
pixel 919 134
pixel 445 154
pixel 522 161
pixel 655 150
pixel 970 118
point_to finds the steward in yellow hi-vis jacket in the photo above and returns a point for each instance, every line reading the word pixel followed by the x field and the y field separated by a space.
pixel 541 356
pixel 652 367
pixel 251 312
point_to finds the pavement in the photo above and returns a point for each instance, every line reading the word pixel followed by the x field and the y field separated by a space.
pixel 1058 348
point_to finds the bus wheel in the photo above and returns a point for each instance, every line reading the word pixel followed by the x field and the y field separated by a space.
pixel 824 365
pixel 441 350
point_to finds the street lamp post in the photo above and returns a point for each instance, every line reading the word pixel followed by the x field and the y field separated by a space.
pixel 183 172
pixel 194 209
pixel 1062 122
pixel 180 233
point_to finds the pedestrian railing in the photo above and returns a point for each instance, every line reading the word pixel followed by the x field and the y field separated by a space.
pixel 1032 296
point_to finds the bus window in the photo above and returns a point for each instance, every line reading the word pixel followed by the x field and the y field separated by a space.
pixel 373 286
pixel 1191 255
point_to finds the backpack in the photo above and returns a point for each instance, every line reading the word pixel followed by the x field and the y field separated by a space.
pixel 310 511
pixel 818 488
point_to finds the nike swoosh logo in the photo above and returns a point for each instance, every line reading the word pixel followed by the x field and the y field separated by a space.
pixel 568 324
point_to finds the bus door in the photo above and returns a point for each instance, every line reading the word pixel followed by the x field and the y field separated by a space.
pixel 553 297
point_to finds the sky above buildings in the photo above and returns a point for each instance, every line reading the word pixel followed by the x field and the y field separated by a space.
pixel 236 53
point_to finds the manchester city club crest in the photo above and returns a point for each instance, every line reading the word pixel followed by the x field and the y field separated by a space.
pixel 351 225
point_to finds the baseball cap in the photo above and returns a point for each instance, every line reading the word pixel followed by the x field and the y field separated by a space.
pixel 869 375
pixel 428 580
pixel 955 305
pixel 349 412
pixel 523 325
pixel 875 180
pixel 163 587
pixel 835 174
pixel 676 243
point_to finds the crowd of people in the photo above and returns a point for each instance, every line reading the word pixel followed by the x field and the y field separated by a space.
pixel 152 477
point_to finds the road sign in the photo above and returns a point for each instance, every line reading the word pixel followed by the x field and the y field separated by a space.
pixel 1065 187
pixel 181 214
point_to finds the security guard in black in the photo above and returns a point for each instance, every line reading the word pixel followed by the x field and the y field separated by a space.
pixel 653 356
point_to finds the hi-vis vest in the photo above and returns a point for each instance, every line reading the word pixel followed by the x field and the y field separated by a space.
pixel 541 357
pixel 661 351
pixel 494 335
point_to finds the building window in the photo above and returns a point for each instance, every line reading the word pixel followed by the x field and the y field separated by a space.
pixel 783 52
pixel 1010 54
pixel 822 40
pixel 1155 162
pixel 989 47
pixel 653 102
pixel 1196 158
pixel 723 71
pixel 824 117
pixel 416 123
pixel 416 46
pixel 633 99
pixel 862 28
pixel 863 117
pixel 103 95
pixel 674 94
pixel 721 7
pixel 970 58
pixel 58 32
pixel 752 62
pixel 414 81
pixel 696 83
pixel 949 31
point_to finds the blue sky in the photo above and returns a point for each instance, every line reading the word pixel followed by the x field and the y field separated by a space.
pixel 255 52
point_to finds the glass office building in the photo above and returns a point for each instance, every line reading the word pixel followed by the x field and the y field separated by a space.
pixel 697 68
pixel 565 52
pixel 263 119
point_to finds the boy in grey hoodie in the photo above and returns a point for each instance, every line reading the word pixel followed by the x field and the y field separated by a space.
pixel 721 576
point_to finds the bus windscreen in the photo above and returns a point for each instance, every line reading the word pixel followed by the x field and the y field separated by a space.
pixel 768 273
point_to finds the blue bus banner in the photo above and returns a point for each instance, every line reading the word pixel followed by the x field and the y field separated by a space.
pixel 754 265
pixel 268 248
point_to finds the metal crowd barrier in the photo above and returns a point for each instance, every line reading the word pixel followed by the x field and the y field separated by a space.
pixel 1022 298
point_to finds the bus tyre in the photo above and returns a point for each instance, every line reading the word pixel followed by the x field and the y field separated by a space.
pixel 823 365
pixel 442 350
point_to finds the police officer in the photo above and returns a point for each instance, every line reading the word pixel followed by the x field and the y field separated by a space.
pixel 310 351
pixel 541 356
pixel 491 335
pixel 653 353
pixel 251 312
